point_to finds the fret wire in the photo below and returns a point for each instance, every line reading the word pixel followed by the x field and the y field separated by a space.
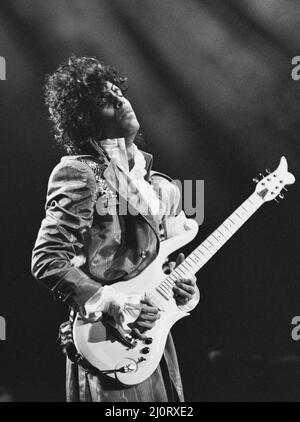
pixel 182 267
pixel 198 249
pixel 179 269
pixel 167 280
pixel 193 262
pixel 223 225
pixel 189 271
pixel 215 237
pixel 162 293
pixel 182 272
pixel 237 222
pixel 199 257
pixel 163 287
pixel 177 276
pixel 185 262
pixel 206 248
pixel 207 240
pixel 243 212
pixel 154 298
pixel 212 244
pixel 172 275
pixel 215 245
pixel 222 234
pixel 196 262
pixel 230 234
pixel 203 254
pixel 172 284
pixel 236 213
pixel 252 199
pixel 169 286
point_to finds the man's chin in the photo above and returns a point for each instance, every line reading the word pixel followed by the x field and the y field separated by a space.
pixel 132 128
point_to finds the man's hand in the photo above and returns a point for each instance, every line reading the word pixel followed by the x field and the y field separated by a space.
pixel 148 316
pixel 186 287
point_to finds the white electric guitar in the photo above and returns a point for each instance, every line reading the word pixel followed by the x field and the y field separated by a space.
pixel 131 361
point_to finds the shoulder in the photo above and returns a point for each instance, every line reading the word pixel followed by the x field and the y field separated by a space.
pixel 167 190
pixel 163 180
pixel 73 168
pixel 157 175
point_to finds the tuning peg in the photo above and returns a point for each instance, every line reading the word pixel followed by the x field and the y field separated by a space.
pixel 268 171
pixel 261 175
pixel 276 200
pixel 285 188
pixel 255 180
pixel 281 196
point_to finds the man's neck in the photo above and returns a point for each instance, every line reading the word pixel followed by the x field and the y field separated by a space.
pixel 127 150
pixel 130 151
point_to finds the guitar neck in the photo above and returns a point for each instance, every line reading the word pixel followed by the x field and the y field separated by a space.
pixel 206 250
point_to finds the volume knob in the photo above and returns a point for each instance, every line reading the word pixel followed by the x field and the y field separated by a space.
pixel 145 350
pixel 148 340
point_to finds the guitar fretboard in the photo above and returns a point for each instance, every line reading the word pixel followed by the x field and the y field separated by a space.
pixel 204 252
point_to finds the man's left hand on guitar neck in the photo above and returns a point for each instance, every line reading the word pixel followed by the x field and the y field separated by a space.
pixel 186 294
pixel 186 289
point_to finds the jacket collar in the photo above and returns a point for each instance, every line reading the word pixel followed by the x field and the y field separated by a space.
pixel 121 182
pixel 129 196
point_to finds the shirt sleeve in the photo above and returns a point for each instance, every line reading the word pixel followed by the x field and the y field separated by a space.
pixel 59 250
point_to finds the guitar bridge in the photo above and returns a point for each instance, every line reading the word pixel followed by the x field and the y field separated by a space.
pixel 126 339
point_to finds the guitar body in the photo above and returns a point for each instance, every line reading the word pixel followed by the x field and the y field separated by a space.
pixel 131 363
pixel 98 343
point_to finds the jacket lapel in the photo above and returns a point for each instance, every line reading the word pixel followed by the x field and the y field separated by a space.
pixel 130 199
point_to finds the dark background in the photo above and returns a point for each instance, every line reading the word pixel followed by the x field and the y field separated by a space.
pixel 211 85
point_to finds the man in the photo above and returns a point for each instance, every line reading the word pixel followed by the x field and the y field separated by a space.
pixel 85 243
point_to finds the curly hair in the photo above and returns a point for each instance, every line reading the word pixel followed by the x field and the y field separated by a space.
pixel 74 94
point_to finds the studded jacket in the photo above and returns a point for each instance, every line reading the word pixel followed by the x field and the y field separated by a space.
pixel 83 241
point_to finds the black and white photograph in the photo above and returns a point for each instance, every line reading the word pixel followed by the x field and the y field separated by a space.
pixel 150 203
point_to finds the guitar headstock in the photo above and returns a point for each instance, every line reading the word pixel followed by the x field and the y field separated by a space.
pixel 270 186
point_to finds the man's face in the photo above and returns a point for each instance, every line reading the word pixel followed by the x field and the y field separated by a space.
pixel 117 116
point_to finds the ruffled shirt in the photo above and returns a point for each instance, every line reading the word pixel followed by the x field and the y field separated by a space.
pixel 107 296
pixel 116 150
